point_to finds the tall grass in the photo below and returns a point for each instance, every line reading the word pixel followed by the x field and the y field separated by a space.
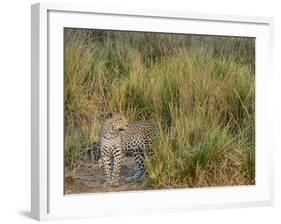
pixel 200 90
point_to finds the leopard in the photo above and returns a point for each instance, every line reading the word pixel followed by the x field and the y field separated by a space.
pixel 119 137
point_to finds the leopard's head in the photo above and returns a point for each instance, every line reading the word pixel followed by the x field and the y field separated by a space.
pixel 114 125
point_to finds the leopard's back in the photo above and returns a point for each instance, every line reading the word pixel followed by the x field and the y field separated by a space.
pixel 139 136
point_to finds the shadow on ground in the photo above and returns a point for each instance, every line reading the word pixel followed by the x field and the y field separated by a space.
pixel 89 178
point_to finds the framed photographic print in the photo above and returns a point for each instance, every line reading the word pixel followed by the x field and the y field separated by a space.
pixel 148 111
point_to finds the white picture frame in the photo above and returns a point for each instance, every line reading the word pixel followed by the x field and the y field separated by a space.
pixel 48 200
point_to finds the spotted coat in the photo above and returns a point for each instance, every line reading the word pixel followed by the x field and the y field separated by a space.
pixel 119 137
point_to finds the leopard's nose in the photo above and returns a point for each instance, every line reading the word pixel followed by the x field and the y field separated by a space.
pixel 121 129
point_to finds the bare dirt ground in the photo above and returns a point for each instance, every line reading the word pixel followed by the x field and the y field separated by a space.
pixel 89 178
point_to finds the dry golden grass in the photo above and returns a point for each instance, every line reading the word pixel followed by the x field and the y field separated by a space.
pixel 199 90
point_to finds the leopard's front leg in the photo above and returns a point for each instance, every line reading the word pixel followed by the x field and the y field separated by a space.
pixel 106 162
pixel 116 166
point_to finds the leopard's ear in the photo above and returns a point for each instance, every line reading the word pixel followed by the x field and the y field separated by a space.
pixel 110 114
